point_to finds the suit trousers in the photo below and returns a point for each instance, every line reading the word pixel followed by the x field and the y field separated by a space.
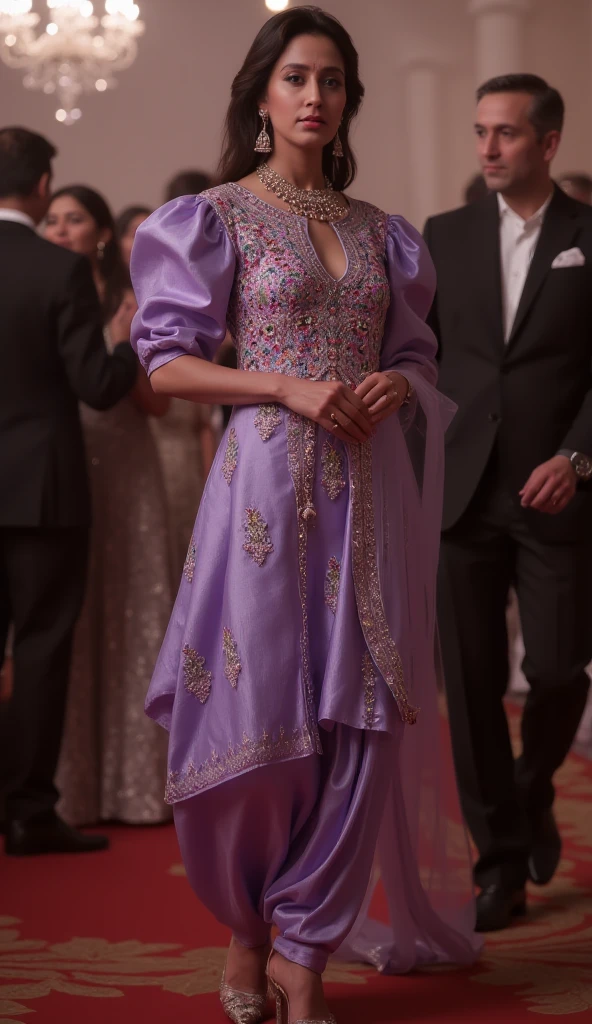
pixel 489 549
pixel 42 580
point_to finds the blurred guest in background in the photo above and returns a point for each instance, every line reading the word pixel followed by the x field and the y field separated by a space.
pixel 53 356
pixel 187 183
pixel 475 190
pixel 578 186
pixel 113 760
pixel 186 436
pixel 126 225
pixel 513 313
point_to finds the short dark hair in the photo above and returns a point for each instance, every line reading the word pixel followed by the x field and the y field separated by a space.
pixel 129 214
pixel 547 110
pixel 24 158
pixel 187 183
pixel 475 190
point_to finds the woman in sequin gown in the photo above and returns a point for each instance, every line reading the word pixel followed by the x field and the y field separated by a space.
pixel 113 759
pixel 302 639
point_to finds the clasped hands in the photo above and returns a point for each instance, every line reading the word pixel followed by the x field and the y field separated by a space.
pixel 350 415
pixel 550 487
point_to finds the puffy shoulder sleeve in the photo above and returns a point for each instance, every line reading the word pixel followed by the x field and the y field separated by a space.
pixel 182 271
pixel 408 342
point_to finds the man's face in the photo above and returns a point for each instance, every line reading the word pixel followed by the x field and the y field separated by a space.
pixel 509 151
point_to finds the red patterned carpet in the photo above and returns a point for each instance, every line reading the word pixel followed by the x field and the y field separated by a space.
pixel 118 937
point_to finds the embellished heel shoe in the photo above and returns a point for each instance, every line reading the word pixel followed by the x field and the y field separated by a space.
pixel 282 1004
pixel 242 1007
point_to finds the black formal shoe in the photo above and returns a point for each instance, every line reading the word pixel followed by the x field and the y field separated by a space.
pixel 498 906
pixel 48 835
pixel 545 848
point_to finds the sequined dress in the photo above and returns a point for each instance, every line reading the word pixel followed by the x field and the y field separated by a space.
pixel 113 759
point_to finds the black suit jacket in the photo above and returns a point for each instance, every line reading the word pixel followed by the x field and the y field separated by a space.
pixel 532 395
pixel 52 355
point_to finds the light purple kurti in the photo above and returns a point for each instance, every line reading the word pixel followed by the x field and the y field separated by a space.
pixel 307 597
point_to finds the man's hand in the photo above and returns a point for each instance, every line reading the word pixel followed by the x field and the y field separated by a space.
pixel 550 487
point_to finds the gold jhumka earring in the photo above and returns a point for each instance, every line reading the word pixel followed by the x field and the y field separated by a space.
pixel 263 143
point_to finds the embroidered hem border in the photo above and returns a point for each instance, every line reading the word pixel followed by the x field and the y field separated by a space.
pixel 237 759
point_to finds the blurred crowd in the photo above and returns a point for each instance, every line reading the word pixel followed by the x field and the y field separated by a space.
pixel 148 458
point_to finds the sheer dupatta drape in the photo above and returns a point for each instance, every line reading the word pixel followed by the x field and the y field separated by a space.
pixel 423 856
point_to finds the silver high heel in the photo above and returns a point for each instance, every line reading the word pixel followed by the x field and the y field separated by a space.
pixel 282 1004
pixel 242 1007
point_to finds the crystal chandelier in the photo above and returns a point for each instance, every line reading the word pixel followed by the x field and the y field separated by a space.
pixel 76 52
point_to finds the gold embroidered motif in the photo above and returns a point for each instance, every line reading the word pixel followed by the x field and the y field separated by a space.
pixel 369 677
pixel 367 585
pixel 301 435
pixel 189 566
pixel 258 542
pixel 198 680
pixel 333 479
pixel 332 583
pixel 230 456
pixel 248 754
pixel 267 419
pixel 232 665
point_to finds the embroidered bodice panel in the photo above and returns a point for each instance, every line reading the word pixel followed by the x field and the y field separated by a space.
pixel 286 313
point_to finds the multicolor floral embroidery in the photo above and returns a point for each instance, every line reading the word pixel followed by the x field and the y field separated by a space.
pixel 198 680
pixel 232 665
pixel 287 315
pixel 369 677
pixel 332 462
pixel 189 566
pixel 230 456
pixel 238 758
pixel 267 419
pixel 257 540
pixel 332 584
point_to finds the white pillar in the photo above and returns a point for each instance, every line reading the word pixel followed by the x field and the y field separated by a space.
pixel 500 34
pixel 422 94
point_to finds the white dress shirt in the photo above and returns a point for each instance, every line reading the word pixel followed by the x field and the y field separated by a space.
pixel 518 239
pixel 18 217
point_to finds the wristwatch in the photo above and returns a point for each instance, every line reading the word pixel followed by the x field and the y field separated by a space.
pixel 582 464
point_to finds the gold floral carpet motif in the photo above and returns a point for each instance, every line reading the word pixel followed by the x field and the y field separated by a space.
pixel 158 956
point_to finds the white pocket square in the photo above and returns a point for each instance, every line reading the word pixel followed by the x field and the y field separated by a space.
pixel 569 258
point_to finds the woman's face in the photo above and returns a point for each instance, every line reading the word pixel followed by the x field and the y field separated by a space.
pixel 127 241
pixel 306 92
pixel 70 225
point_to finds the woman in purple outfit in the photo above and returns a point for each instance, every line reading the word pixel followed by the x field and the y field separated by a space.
pixel 301 646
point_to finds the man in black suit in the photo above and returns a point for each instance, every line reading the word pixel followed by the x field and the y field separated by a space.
pixel 513 315
pixel 52 355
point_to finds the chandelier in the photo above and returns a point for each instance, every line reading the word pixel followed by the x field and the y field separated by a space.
pixel 76 52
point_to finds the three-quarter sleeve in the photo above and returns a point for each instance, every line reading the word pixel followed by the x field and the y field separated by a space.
pixel 409 344
pixel 182 269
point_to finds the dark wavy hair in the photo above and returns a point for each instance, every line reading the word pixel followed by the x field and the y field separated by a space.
pixel 242 119
pixel 112 267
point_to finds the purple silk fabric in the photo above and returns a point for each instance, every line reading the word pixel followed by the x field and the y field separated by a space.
pixel 184 268
pixel 291 844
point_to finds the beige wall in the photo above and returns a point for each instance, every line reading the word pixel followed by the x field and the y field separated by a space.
pixel 168 109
